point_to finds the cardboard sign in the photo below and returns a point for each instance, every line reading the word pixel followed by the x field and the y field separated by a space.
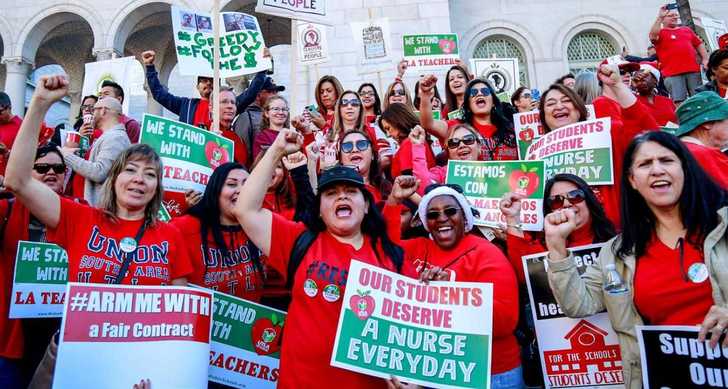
pixel 39 285
pixel 386 316
pixel 313 11
pixel 241 43
pixel 528 128
pixel 430 52
pixel 672 358
pixel 583 149
pixel 503 74
pixel 112 336
pixel 245 343
pixel 312 44
pixel 485 183
pixel 574 352
pixel 373 44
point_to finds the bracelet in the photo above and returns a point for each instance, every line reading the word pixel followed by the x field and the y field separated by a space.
pixel 518 226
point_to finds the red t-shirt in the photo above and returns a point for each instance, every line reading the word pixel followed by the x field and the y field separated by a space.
pixel 92 242
pixel 490 149
pixel 712 161
pixel 241 151
pixel 232 272
pixel 8 132
pixel 676 49
pixel 662 109
pixel 661 293
pixel 11 330
pixel 312 321
pixel 202 114
pixel 402 160
pixel 276 204
pixel 475 259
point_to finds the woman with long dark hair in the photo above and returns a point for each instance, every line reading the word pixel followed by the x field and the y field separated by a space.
pixel 280 197
pixel 456 79
pixel 328 91
pixel 356 149
pixel 370 101
pixel 669 266
pixel 347 225
pixel 397 121
pixel 481 109
pixel 222 256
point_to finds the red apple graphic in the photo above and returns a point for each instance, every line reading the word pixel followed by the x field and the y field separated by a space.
pixel 524 181
pixel 266 335
pixel 447 46
pixel 216 155
pixel 527 134
pixel 362 304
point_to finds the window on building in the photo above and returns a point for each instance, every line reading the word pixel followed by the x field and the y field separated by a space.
pixel 589 48
pixel 503 47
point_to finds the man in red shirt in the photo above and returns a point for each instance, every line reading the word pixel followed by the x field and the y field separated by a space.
pixel 644 83
pixel 9 126
pixel 676 47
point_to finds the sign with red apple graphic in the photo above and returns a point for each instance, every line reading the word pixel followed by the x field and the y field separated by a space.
pixel 485 182
pixel 430 52
pixel 437 335
pixel 583 149
pixel 189 154
pixel 244 332
pixel 527 126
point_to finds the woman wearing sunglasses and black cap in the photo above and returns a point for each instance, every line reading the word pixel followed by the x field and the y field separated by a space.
pixel 451 253
pixel 481 109
pixel 346 225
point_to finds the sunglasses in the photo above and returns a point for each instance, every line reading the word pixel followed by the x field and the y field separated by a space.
pixel 351 102
pixel 467 140
pixel 43 168
pixel 398 92
pixel 485 91
pixel 449 212
pixel 360 145
pixel 624 73
pixel 575 196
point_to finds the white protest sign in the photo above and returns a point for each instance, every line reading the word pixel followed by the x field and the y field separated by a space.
pixel 127 72
pixel 241 43
pixel 374 46
pixel 714 28
pixel 309 10
pixel 313 47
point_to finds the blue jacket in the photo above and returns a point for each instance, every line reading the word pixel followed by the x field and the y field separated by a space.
pixel 185 107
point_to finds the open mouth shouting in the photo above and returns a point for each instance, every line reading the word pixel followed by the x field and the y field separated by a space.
pixel 661 186
pixel 343 211
pixel 481 102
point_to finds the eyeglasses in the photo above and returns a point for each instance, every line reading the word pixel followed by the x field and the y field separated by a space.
pixel 485 91
pixel 526 96
pixel 278 109
pixel 398 92
pixel 43 168
pixel 575 196
pixel 351 102
pixel 468 140
pixel 87 107
pixel 361 145
pixel 449 212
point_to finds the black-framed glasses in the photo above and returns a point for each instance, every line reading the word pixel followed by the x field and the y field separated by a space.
pixel 398 92
pixel 43 168
pixel 485 91
pixel 449 212
pixel 351 102
pixel 87 107
pixel 575 196
pixel 468 140
pixel 360 145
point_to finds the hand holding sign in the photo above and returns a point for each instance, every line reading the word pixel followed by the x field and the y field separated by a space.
pixel 715 323
pixel 148 57
pixel 401 68
pixel 557 226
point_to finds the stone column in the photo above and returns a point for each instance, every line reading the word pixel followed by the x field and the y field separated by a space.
pixel 17 71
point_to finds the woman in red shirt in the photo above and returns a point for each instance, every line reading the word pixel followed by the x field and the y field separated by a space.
pixel 347 225
pixel 223 257
pixel 463 144
pixel 120 242
pixel 397 121
pixel 644 83
pixel 481 109
pixel 370 101
pixel 669 266
pixel 456 79
pixel 280 197
pixel 276 115
pixel 355 149
pixel 451 253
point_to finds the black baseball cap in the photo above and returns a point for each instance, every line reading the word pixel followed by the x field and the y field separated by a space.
pixel 269 85
pixel 339 174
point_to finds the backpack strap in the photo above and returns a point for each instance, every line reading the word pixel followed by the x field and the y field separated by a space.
pixel 300 247
pixel 6 218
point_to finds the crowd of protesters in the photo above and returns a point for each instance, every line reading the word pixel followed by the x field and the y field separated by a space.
pixel 359 175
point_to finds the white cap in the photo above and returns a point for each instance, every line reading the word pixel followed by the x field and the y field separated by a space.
pixel 446 191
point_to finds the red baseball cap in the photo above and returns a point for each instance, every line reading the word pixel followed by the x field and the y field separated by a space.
pixel 723 41
pixel 623 65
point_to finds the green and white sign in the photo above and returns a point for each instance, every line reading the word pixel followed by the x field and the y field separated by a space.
pixel 527 126
pixel 189 154
pixel 430 52
pixel 583 149
pixel 244 334
pixel 437 334
pixel 39 285
pixel 485 182
pixel 241 43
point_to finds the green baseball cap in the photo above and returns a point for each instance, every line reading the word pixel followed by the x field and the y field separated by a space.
pixel 702 108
